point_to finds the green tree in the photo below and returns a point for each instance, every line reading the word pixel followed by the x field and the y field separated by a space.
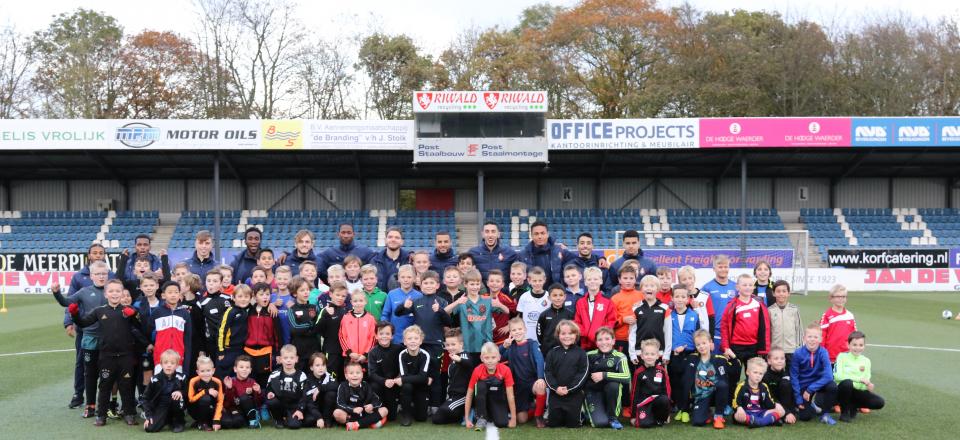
pixel 77 58
pixel 395 69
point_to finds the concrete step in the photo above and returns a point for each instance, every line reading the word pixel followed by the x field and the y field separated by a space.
pixel 163 231
pixel 467 235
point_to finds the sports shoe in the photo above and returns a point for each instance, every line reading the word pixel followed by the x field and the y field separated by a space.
pixel 380 424
pixel 278 424
pixel 727 411
pixel 827 420
pixel 177 428
pixel 480 425
pixel 264 413
pixel 130 420
pixel 615 424
pixel 254 424
pixel 113 410
pixel 719 423
pixel 682 417
pixel 100 421
pixel 353 426
pixel 89 411
pixel 205 427
pixel 627 412
pixel 75 401
pixel 405 418
pixel 816 409
pixel 540 422
pixel 845 418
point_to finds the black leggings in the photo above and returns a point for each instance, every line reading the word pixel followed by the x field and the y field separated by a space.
pixel 450 411
pixel 652 411
pixel 283 413
pixel 240 415
pixel 116 370
pixel 91 374
pixel 414 399
pixel 852 399
pixel 167 412
pixel 490 403
pixel 825 398
pixel 564 410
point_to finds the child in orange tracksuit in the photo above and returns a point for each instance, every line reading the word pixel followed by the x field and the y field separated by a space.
pixel 205 396
pixel 357 330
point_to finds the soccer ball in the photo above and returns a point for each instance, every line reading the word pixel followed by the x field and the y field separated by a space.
pixel 947 314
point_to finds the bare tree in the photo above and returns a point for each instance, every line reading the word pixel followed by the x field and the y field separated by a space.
pixel 324 77
pixel 15 63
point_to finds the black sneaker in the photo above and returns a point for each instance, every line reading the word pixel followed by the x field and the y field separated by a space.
pixel 100 421
pixel 131 420
pixel 177 428
pixel 89 411
pixel 76 401
pixel 278 424
pixel 845 417
pixel 405 419
pixel 113 410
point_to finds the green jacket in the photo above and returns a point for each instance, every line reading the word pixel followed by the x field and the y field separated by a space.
pixel 375 301
pixel 853 367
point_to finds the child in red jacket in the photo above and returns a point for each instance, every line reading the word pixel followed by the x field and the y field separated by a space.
pixel 744 328
pixel 241 396
pixel 357 329
pixel 837 323
pixel 593 310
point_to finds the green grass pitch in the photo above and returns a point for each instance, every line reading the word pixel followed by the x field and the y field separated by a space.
pixel 921 387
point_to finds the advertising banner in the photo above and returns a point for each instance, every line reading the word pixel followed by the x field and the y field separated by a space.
pixel 36 272
pixel 480 102
pixel 701 258
pixel 360 135
pixel 622 134
pixel 462 150
pixel 200 134
pixel 906 132
pixel 775 132
pixel 888 258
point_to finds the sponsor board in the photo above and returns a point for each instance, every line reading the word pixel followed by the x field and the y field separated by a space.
pixel 858 280
pixel 701 258
pixel 480 102
pixel 622 134
pixel 461 150
pixel 360 135
pixel 282 134
pixel 774 132
pixel 36 272
pixel 888 258
pixel 905 132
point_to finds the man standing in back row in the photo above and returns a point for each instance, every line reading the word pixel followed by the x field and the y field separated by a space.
pixel 491 254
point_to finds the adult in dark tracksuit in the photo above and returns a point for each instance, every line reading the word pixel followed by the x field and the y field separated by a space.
pixel 544 252
pixel 202 260
pixel 631 251
pixel 442 256
pixel 302 252
pixel 80 280
pixel 584 257
pixel 141 249
pixel 245 261
pixel 88 298
pixel 389 260
pixel 491 253
pixel 348 246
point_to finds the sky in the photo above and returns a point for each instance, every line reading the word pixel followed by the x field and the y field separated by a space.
pixel 433 24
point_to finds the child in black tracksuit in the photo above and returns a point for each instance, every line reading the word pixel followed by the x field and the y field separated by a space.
pixel 414 377
pixel 233 331
pixel 705 384
pixel 285 389
pixel 565 370
pixel 213 306
pixel 383 368
pixel 609 374
pixel 548 320
pixel 163 399
pixel 328 326
pixel 117 344
pixel 428 313
pixel 320 394
pixel 651 388
pixel 458 374
pixel 357 405
pixel 303 318
pixel 777 379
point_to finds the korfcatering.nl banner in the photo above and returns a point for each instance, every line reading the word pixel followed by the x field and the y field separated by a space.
pixel 888 258
pixel 36 272
pixel 194 134
pixel 623 134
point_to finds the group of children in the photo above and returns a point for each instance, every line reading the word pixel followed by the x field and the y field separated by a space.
pixel 452 349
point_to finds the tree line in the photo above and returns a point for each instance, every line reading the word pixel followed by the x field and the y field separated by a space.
pixel 597 59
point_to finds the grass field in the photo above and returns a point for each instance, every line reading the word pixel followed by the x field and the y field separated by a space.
pixel 921 386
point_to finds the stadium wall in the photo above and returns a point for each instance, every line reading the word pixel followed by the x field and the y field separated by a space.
pixel 174 195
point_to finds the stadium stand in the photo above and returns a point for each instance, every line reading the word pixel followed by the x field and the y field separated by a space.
pixel 655 224
pixel 881 227
pixel 72 231
pixel 419 227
